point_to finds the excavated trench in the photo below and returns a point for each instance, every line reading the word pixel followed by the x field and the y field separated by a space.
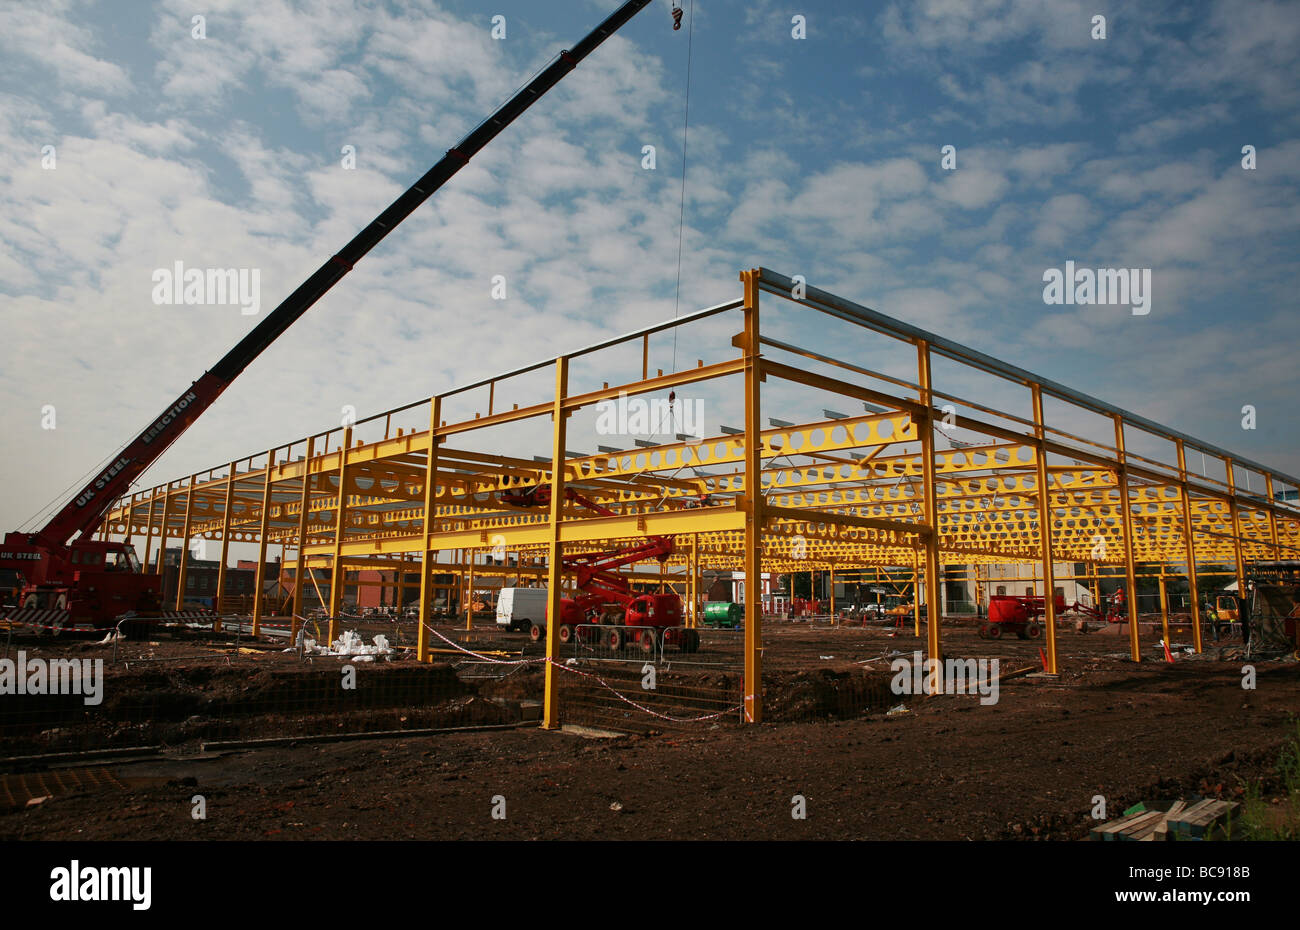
pixel 178 705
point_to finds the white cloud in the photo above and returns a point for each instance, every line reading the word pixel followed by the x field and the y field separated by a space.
pixel 53 39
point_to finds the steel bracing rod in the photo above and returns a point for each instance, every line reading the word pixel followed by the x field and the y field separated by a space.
pixel 84 512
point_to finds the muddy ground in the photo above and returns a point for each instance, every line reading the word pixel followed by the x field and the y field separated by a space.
pixel 1028 766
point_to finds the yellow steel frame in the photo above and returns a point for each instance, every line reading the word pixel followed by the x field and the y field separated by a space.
pixel 836 494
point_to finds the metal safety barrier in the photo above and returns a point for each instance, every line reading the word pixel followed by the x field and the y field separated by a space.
pixel 611 643
pixel 678 645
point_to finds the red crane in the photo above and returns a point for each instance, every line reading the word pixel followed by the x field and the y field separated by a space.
pixel 70 577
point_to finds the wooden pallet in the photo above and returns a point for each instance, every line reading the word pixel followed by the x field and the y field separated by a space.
pixel 1141 826
pixel 1201 818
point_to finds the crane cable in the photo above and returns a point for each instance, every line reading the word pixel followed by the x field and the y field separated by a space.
pixel 62 497
pixel 686 125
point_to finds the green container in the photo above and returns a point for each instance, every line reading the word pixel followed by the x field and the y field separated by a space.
pixel 723 613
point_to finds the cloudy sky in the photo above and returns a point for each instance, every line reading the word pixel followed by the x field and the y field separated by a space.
pixel 818 156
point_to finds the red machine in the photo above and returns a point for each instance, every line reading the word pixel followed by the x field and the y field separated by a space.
pixel 1116 609
pixel 1018 615
pixel 68 576
pixel 606 598
pixel 1022 615
pixel 88 583
pixel 804 607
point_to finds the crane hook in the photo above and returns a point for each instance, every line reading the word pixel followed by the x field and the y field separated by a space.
pixel 677 17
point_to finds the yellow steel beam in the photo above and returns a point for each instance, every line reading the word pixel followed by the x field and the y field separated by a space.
pixel 259 583
pixel 337 578
pixel 148 536
pixel 1126 513
pixel 555 547
pixel 430 492
pixel 1189 547
pixel 298 579
pixel 185 545
pixel 753 503
pixel 166 518
pixel 933 603
pixel 1045 520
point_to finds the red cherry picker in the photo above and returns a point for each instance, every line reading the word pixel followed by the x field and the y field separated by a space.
pixel 605 598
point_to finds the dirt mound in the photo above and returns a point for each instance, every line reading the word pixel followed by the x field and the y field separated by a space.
pixel 176 704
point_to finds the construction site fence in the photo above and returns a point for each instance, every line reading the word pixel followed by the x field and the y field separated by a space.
pixel 70 699
pixel 630 698
pixel 189 704
pixel 680 645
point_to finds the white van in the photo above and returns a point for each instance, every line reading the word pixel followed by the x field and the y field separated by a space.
pixel 520 608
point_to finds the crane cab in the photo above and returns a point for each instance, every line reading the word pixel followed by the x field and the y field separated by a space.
pixel 95 581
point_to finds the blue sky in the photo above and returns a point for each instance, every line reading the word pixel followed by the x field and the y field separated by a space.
pixel 818 156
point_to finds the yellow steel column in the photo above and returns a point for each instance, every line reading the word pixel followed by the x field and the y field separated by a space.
pixel 162 538
pixel 1189 547
pixel 1045 531
pixel 259 576
pixel 832 573
pixel 1236 533
pixel 694 582
pixel 340 511
pixel 1272 518
pixel 166 518
pixel 555 547
pixel 469 601
pixel 185 544
pixel 460 584
pixel 148 536
pixel 932 608
pixel 299 576
pixel 225 546
pixel 916 591
pixel 1130 581
pixel 430 511
pixel 753 501
pixel 1164 605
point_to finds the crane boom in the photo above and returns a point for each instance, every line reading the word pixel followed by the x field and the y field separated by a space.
pixel 83 514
